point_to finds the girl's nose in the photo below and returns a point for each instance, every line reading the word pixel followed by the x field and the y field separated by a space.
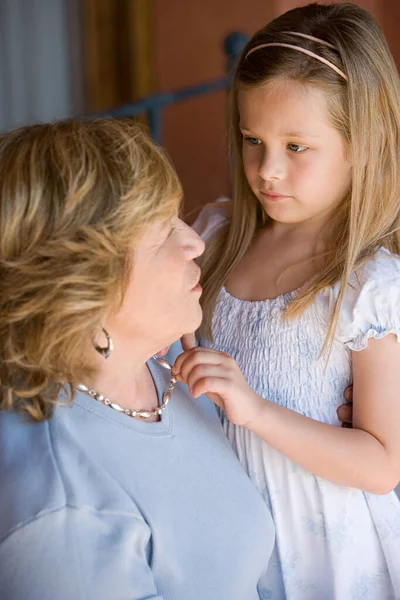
pixel 271 167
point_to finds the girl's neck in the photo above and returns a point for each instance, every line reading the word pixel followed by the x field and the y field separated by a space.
pixel 307 233
pixel 281 259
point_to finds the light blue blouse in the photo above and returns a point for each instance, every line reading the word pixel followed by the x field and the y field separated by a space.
pixel 95 505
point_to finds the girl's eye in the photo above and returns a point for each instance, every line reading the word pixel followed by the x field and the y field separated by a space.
pixel 252 141
pixel 297 148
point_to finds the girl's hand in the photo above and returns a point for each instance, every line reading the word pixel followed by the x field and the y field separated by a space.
pixel 345 411
pixel 217 374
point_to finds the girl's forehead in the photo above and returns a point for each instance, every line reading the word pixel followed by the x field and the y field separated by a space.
pixel 284 104
pixel 286 91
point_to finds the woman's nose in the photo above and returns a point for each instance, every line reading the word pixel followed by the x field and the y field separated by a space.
pixel 194 244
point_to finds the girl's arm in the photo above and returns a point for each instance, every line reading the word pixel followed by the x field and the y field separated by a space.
pixel 365 457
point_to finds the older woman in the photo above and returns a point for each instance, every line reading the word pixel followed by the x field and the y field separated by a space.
pixel 115 483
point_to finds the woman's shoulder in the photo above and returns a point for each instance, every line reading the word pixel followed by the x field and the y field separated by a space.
pixel 212 217
pixel 47 467
pixel 29 476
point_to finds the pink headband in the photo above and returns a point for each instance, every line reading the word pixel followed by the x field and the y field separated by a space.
pixel 303 50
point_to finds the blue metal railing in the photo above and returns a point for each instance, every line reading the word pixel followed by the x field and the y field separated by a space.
pixel 154 105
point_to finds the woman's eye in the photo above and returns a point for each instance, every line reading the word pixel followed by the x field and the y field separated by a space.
pixel 171 231
pixel 297 148
pixel 252 141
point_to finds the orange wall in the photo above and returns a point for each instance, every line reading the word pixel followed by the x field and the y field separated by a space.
pixel 389 18
pixel 189 37
pixel 283 5
pixel 188 51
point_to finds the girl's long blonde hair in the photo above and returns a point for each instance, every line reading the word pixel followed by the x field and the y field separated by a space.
pixel 75 197
pixel 366 111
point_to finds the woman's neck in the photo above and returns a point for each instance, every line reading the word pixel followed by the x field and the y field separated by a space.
pixel 124 377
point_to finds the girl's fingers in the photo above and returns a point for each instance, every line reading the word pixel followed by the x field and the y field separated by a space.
pixel 345 413
pixel 188 341
pixel 348 394
pixel 186 361
pixel 201 372
pixel 198 362
pixel 211 385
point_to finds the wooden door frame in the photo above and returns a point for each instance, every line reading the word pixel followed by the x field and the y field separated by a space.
pixel 117 52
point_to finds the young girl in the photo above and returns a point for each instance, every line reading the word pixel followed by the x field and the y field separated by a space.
pixel 303 288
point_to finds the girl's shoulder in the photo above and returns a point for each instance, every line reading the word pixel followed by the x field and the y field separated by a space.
pixel 212 217
pixel 383 268
pixel 371 305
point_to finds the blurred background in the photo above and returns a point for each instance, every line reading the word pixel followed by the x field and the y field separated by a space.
pixel 60 58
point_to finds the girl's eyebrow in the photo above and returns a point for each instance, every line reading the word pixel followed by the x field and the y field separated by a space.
pixel 244 129
pixel 299 133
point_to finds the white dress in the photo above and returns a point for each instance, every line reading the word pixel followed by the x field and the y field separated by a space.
pixel 333 542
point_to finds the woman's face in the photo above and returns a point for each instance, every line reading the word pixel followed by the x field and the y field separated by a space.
pixel 162 298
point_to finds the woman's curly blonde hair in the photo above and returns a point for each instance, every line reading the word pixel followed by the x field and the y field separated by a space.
pixel 75 197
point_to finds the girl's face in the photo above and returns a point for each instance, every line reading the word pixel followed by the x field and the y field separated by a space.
pixel 297 164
